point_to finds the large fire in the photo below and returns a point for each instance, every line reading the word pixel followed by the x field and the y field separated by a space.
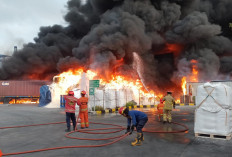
pixel 79 78
pixel 72 78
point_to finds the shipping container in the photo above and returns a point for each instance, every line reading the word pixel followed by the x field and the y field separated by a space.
pixel 12 91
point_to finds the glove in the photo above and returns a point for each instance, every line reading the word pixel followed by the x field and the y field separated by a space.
pixel 128 129
pixel 132 129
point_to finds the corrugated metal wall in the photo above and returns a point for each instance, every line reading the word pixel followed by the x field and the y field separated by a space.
pixel 21 87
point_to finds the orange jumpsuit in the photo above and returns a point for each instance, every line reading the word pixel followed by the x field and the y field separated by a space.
pixel 160 108
pixel 84 112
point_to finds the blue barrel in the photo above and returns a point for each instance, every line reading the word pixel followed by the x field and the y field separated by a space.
pixel 62 101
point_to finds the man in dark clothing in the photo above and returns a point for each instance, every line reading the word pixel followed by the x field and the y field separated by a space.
pixel 138 120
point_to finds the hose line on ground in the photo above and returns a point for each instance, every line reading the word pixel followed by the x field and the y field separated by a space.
pixel 118 128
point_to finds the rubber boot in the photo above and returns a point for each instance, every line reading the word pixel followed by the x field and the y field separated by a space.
pixel 142 137
pixel 137 141
pixel 67 130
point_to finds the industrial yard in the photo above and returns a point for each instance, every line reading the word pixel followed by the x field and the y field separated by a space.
pixel 116 78
pixel 49 136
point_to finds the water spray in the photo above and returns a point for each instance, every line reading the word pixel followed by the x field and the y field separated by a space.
pixel 138 66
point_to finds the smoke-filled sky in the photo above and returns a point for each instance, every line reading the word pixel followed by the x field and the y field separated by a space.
pixel 168 37
pixel 20 20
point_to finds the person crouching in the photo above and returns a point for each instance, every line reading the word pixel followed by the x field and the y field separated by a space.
pixel 138 119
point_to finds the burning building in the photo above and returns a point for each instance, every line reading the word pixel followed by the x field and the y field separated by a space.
pixel 130 39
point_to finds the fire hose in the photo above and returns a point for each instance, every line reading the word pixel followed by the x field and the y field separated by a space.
pixel 89 131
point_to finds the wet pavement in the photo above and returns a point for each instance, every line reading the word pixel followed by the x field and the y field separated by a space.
pixel 155 144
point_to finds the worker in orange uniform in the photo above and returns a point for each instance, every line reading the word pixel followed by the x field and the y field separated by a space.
pixel 70 108
pixel 83 103
pixel 169 104
pixel 138 120
pixel 160 108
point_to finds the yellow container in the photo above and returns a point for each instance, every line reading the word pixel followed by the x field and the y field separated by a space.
pixel 98 112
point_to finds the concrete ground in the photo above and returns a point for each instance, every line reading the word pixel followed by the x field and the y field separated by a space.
pixel 155 144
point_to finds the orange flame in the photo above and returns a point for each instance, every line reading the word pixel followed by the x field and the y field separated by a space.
pixel 175 48
pixel 194 76
pixel 73 78
pixel 24 101
pixel 183 85
pixel 118 64
pixel 178 101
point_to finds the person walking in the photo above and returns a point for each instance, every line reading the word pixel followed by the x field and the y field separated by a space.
pixel 169 104
pixel 160 108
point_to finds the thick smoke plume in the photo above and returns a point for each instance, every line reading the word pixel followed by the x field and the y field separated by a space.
pixel 103 33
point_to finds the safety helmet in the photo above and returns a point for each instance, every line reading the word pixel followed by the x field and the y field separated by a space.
pixel 169 92
pixel 121 110
pixel 71 93
pixel 161 100
pixel 83 92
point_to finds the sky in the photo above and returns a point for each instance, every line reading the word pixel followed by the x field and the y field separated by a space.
pixel 20 20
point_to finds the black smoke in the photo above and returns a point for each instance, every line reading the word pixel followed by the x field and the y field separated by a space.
pixel 102 32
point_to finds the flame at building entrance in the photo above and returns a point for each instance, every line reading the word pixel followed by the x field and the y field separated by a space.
pixel 192 77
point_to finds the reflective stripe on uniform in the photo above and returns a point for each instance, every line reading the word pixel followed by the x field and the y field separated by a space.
pixel 69 110
pixel 84 109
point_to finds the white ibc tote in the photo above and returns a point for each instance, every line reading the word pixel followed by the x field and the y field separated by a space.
pixel 213 114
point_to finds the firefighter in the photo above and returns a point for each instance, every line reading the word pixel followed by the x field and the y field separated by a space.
pixel 169 104
pixel 138 119
pixel 83 103
pixel 160 108
pixel 70 107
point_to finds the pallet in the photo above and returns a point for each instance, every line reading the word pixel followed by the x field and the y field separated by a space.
pixel 212 136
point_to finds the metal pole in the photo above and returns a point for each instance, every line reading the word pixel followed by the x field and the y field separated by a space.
pixel 94 100
pixel 103 99
pixel 116 98
pixel 119 97
pixel 184 99
pixel 126 95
